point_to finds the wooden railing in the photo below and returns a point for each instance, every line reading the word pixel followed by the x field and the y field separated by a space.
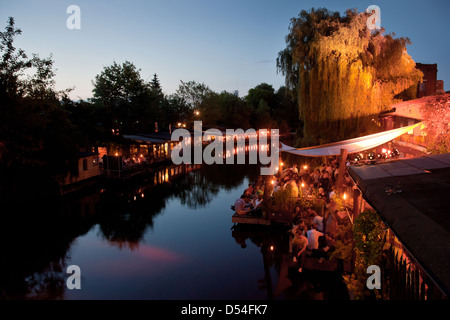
pixel 403 279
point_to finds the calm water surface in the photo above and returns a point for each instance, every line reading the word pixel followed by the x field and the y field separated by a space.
pixel 166 237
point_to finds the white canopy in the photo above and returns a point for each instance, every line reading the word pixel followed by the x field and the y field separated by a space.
pixel 352 145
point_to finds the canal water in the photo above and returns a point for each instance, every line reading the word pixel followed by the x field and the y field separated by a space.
pixel 165 236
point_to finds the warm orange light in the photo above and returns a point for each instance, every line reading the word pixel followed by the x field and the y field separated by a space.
pixel 303 185
pixel 345 196
pixel 272 182
pixel 116 154
pixel 271 248
pixel 142 195
pixel 305 167
pixel 281 164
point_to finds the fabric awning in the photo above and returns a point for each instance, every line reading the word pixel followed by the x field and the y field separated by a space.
pixel 352 145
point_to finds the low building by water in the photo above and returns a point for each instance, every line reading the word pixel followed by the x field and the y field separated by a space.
pixel 410 196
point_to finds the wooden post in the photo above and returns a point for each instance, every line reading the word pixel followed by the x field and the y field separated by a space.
pixel 267 181
pixel 342 170
pixel 356 203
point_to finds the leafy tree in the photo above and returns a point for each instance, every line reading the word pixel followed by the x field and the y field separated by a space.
pixel 211 110
pixel 235 112
pixel 174 110
pixel 264 92
pixel 130 101
pixel 369 240
pixel 286 112
pixel 343 73
pixel 193 93
pixel 156 87
pixel 35 132
pixel 263 120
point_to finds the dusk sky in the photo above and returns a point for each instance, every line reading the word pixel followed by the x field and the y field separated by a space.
pixel 228 45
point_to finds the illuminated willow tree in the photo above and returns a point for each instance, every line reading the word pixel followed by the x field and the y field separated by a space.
pixel 343 73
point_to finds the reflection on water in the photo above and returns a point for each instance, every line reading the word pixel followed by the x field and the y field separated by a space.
pixel 162 236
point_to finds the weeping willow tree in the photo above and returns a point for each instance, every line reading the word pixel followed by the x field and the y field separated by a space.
pixel 343 73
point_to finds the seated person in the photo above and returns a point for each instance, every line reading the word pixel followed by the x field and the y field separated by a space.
pixel 243 206
pixel 249 191
pixel 240 206
pixel 326 247
pixel 259 199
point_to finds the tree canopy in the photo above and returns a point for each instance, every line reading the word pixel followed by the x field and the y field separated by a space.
pixel 132 104
pixel 35 131
pixel 343 73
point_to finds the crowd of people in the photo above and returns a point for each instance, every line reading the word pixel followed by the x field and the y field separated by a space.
pixel 250 202
pixel 313 229
pixel 319 182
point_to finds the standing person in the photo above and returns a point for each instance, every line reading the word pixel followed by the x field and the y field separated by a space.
pixel 294 169
pixel 331 224
pixel 318 221
pixel 313 237
pixel 298 246
pixel 315 176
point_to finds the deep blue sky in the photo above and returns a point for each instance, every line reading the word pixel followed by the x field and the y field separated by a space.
pixel 227 44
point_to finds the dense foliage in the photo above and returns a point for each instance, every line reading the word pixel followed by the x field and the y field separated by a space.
pixel 35 131
pixel 369 239
pixel 41 128
pixel 343 73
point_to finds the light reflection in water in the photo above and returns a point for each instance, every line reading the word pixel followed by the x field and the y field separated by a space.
pixel 166 236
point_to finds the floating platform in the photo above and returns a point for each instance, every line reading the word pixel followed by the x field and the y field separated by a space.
pixel 273 220
pixel 240 218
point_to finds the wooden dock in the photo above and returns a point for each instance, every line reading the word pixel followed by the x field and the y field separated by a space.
pixel 240 218
pixel 273 220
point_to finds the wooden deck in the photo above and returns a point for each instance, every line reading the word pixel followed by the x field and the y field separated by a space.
pixel 329 265
pixel 238 218
pixel 273 220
